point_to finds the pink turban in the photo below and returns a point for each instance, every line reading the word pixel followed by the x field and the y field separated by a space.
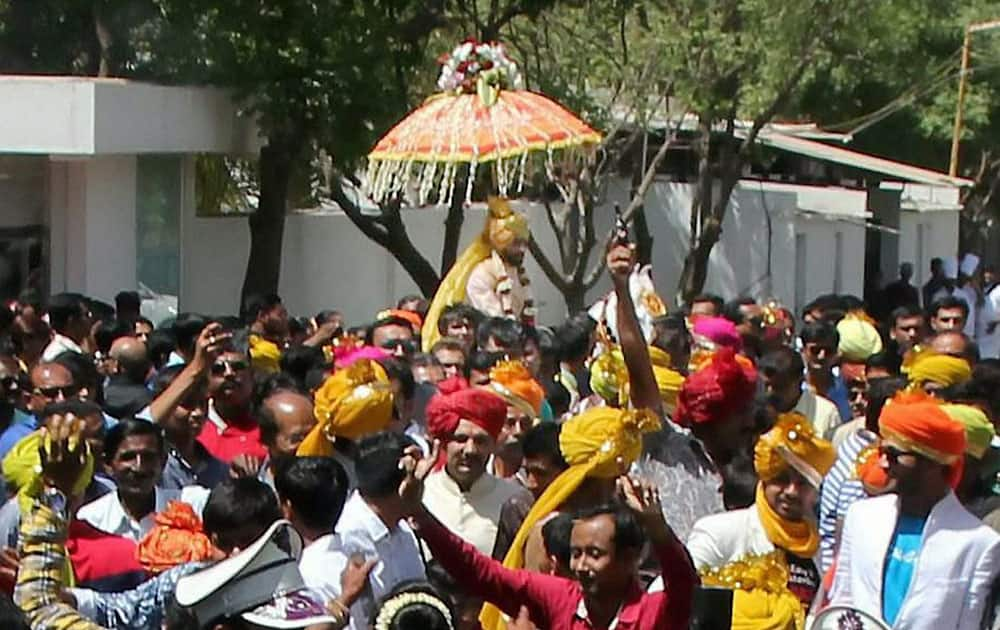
pixel 719 331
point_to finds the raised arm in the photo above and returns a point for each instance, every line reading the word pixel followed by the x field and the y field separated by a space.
pixel 43 533
pixel 643 391
pixel 207 348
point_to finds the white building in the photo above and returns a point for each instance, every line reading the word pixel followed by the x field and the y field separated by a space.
pixel 97 194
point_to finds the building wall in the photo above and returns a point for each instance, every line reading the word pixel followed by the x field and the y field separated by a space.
pixel 327 263
pixel 926 235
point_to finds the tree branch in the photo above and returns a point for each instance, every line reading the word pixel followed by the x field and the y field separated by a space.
pixel 561 283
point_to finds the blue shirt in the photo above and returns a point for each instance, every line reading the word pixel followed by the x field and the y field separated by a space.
pixel 840 396
pixel 21 426
pixel 900 562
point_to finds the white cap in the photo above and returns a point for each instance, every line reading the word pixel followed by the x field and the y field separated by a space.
pixel 969 264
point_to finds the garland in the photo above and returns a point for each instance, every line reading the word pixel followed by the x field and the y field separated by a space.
pixel 472 60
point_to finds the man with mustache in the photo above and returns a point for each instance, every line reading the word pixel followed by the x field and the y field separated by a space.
pixel 783 372
pixel 231 430
pixel 135 453
pixel 460 493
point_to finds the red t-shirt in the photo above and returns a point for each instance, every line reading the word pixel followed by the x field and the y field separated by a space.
pixel 225 440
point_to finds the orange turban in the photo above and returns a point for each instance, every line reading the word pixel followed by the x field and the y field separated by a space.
pixel 722 387
pixel 176 538
pixel 412 318
pixel 917 423
pixel 514 383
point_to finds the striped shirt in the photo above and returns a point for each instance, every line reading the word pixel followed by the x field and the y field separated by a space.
pixel 841 488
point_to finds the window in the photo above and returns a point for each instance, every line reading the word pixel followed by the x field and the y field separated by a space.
pixel 158 222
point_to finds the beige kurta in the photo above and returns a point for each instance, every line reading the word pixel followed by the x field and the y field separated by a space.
pixel 473 515
pixel 481 290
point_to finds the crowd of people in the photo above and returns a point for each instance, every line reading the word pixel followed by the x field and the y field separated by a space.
pixel 457 465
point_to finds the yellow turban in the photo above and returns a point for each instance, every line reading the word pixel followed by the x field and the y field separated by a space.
pixel 943 369
pixel 503 226
pixel 609 377
pixel 859 339
pixel 668 381
pixel 354 402
pixel 761 598
pixel 22 470
pixel 979 431
pixel 596 443
pixel 265 355
pixel 792 441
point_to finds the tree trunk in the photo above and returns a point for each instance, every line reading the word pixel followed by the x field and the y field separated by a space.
pixel 267 223
pixel 641 235
pixel 103 34
pixel 575 297
pixel 453 223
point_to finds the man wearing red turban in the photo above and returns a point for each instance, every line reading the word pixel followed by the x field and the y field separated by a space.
pixel 461 494
pixel 714 403
pixel 884 538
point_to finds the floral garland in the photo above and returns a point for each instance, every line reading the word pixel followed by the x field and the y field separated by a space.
pixel 473 60
pixel 396 604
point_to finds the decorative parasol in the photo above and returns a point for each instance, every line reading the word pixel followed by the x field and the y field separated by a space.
pixel 480 115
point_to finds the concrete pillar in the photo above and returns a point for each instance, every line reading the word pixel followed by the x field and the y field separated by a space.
pixel 92 225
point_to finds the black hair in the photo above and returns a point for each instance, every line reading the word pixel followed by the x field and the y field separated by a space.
pixel 574 337
pixel 238 512
pixel 732 312
pixel 399 371
pixel 186 329
pixel 716 301
pixel 424 359
pixel 391 320
pixel 142 320
pixel 456 313
pixel 548 345
pixel 419 299
pixel 542 440
pixel 880 390
pixel 325 315
pixel 297 361
pixel 888 361
pixel 949 302
pixel 256 303
pixel 850 303
pixel 448 343
pixel 482 361
pixel 63 308
pixel 508 333
pixel 164 377
pixel 84 372
pixel 127 301
pixel 160 343
pixel 905 311
pixel 558 397
pixel 377 463
pixel 129 427
pixel 824 303
pixel 936 262
pixel 628 530
pixel 315 486
pixel 986 377
pixel 420 615
pixel 557 534
pixel 108 331
pixel 783 362
pixel 297 326
pixel 739 481
pixel 819 332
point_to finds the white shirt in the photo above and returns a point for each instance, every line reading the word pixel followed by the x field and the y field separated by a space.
pixel 472 515
pixel 820 412
pixel 108 515
pixel 58 345
pixel 361 531
pixel 989 343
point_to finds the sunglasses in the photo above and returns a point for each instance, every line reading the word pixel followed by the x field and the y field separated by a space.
pixel 893 454
pixel 406 345
pixel 219 367
pixel 67 391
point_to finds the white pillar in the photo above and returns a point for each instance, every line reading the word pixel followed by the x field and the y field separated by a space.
pixel 92 226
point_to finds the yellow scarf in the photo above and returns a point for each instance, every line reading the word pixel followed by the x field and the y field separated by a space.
pixel 800 538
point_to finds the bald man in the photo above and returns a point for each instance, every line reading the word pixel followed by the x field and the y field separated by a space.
pixel 956 344
pixel 126 392
pixel 50 382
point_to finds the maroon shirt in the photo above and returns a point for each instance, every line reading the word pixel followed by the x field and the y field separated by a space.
pixel 553 601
